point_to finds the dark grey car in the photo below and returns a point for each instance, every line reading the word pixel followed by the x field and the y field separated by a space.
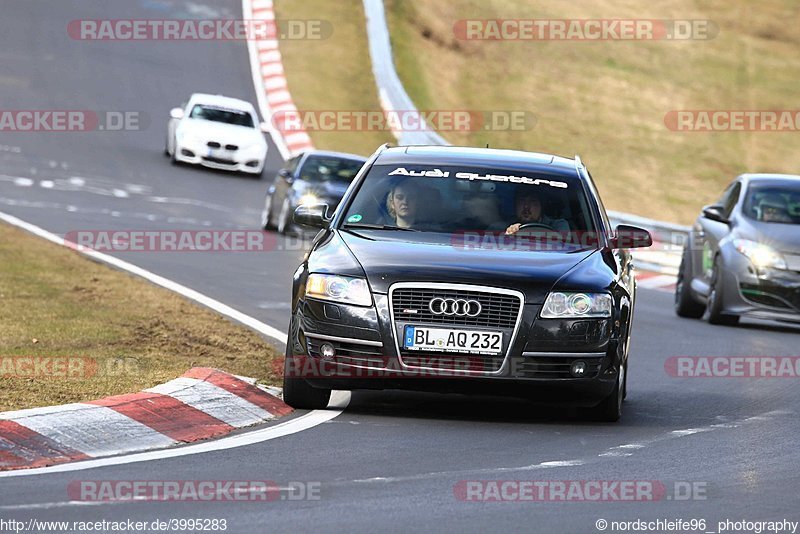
pixel 743 254
pixel 309 178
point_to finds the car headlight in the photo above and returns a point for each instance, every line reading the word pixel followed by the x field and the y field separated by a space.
pixel 308 199
pixel 188 138
pixel 341 289
pixel 759 254
pixel 573 304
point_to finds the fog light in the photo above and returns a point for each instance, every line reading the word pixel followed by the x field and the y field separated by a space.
pixel 327 351
pixel 578 369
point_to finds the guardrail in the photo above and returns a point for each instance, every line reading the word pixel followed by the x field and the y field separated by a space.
pixel 668 238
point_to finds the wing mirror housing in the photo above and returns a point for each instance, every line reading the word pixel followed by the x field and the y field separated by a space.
pixel 314 215
pixel 176 113
pixel 713 212
pixel 631 237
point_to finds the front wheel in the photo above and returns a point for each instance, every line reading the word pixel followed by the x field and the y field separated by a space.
pixel 266 214
pixel 685 303
pixel 610 409
pixel 297 393
pixel 285 217
pixel 715 299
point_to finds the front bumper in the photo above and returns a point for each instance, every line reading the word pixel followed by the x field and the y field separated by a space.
pixel 761 293
pixel 249 161
pixel 537 364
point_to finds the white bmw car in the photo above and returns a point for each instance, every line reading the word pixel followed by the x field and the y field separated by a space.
pixel 217 132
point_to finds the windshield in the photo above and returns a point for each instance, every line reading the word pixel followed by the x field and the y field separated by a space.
pixel 776 203
pixel 228 116
pixel 325 168
pixel 469 199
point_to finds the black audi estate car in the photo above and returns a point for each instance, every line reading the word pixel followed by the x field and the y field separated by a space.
pixel 465 270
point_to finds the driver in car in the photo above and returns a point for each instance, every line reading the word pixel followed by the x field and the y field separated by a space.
pixel 529 212
pixel 772 208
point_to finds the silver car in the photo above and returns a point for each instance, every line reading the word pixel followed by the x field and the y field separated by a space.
pixel 743 254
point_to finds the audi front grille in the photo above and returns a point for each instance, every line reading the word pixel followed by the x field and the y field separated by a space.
pixel 454 305
pixel 413 305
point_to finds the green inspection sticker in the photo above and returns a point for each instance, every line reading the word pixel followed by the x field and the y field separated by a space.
pixel 354 218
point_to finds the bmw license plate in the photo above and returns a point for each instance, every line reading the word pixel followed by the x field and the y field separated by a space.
pixel 450 340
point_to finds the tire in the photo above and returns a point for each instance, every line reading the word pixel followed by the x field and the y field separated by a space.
pixel 610 409
pixel 285 217
pixel 715 314
pixel 297 393
pixel 172 158
pixel 266 214
pixel 685 303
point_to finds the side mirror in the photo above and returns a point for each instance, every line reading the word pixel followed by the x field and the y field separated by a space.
pixel 714 213
pixel 176 113
pixel 264 127
pixel 315 215
pixel 631 237
pixel 286 175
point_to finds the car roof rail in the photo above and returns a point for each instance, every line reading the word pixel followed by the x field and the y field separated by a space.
pixel 579 165
pixel 381 148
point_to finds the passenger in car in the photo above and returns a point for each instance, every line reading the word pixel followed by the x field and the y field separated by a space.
pixel 402 203
pixel 529 210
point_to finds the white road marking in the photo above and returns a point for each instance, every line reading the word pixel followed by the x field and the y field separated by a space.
pixel 191 294
pixel 23 182
pixel 46 184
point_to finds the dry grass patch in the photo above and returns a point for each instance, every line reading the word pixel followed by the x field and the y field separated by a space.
pixel 333 73
pixel 607 100
pixel 56 303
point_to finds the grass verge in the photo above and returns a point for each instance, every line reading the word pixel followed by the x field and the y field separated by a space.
pixel 607 100
pixel 120 333
pixel 334 73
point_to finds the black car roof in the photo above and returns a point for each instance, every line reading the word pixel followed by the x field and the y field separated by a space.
pixel 478 157
pixel 331 153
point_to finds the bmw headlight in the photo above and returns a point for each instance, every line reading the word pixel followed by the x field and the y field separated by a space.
pixel 341 289
pixel 759 254
pixel 564 304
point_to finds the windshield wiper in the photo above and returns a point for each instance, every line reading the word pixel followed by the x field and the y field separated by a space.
pixel 364 226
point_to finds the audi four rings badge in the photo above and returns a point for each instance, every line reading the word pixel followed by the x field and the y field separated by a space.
pixel 459 307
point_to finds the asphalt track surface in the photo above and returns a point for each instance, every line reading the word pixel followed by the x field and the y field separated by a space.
pixel 391 460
